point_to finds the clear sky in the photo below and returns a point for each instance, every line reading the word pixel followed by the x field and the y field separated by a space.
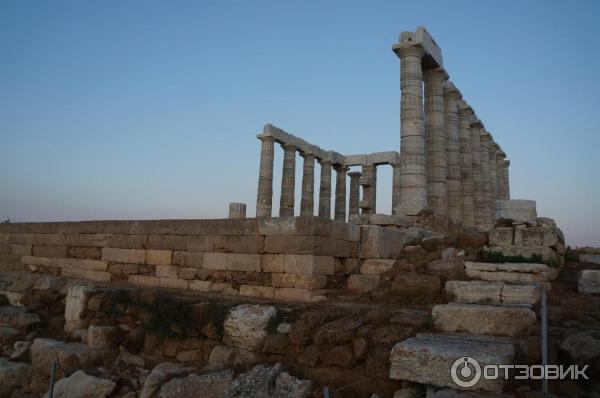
pixel 149 109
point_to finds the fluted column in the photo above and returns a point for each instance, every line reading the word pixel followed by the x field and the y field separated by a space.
pixel 396 182
pixel 466 176
pixel 264 196
pixel 340 192
pixel 325 190
pixel 493 176
pixel 485 179
pixel 288 181
pixel 478 194
pixel 354 192
pixel 368 181
pixel 435 140
pixel 506 176
pixel 307 200
pixel 413 188
pixel 237 210
pixel 453 162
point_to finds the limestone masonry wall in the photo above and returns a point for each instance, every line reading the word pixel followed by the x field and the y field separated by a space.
pixel 281 258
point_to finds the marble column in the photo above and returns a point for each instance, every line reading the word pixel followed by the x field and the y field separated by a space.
pixel 435 140
pixel 413 188
pixel 325 190
pixel 307 201
pixel 506 178
pixel 354 192
pixel 340 192
pixel 368 181
pixel 466 176
pixel 237 210
pixel 486 183
pixel 478 194
pixel 288 181
pixel 264 196
pixel 396 182
pixel 494 175
pixel 453 162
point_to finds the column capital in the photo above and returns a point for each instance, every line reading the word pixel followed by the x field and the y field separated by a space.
pixel 435 74
pixel 451 91
pixel 289 147
pixel 403 51
pixel 354 174
pixel 308 155
pixel 340 168
pixel 265 138
pixel 475 122
pixel 324 162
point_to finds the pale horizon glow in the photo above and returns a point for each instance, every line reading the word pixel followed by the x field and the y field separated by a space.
pixel 150 109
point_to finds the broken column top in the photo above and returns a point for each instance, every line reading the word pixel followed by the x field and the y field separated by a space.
pixel 450 88
pixel 421 38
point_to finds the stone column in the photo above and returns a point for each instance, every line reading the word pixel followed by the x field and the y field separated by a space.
pixel 396 182
pixel 493 176
pixel 307 201
pixel 435 140
pixel 354 192
pixel 413 188
pixel 506 176
pixel 264 196
pixel 478 194
pixel 368 181
pixel 325 190
pixel 486 182
pixel 340 192
pixel 453 162
pixel 237 210
pixel 288 181
pixel 466 176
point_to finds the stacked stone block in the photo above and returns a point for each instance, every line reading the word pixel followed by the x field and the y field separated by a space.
pixel 282 258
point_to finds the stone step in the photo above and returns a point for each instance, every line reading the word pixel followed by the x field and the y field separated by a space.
pixel 428 358
pixel 511 272
pixel 494 320
pixel 483 292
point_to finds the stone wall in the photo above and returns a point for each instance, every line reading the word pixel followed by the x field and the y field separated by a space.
pixel 281 258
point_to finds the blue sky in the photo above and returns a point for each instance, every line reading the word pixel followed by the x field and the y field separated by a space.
pixel 149 109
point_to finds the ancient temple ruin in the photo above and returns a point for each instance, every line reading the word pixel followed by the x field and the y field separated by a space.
pixel 448 162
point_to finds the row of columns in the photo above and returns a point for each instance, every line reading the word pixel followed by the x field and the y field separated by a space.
pixel 449 162
pixel 264 200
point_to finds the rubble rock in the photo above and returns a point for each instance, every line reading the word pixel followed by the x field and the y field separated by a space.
pixel 288 386
pixel 412 283
pixel 75 306
pixel 258 382
pixel 208 385
pixel 101 337
pixel 588 281
pixel 245 325
pixel 11 376
pixel 581 348
pixel 161 374
pixel 82 385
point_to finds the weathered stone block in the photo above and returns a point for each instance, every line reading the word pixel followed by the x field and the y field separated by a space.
pixel 493 292
pixel 273 263
pixel 243 262
pixel 131 256
pixel 517 210
pixel 414 284
pixel 21 239
pixel 308 264
pixel 589 281
pixel 158 257
pixel 127 241
pixel 101 337
pixel 173 283
pixel 92 240
pixel 20 250
pixel 293 294
pixel 427 359
pixel 300 281
pixel 286 244
pixel 210 286
pixel 376 266
pixel 199 243
pixel 50 251
pixel 166 271
pixel 168 242
pixel 265 292
pixel 49 239
pixel 215 261
pixel 381 242
pixel 239 244
pixel 186 273
pixel 345 231
pixel 75 306
pixel 362 283
pixel 123 269
pixel 350 265
pixel 387 220
pixel 89 252
pixel 498 320
pixel 501 236
pixel 142 280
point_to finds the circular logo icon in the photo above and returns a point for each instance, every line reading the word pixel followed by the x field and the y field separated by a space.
pixel 465 372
